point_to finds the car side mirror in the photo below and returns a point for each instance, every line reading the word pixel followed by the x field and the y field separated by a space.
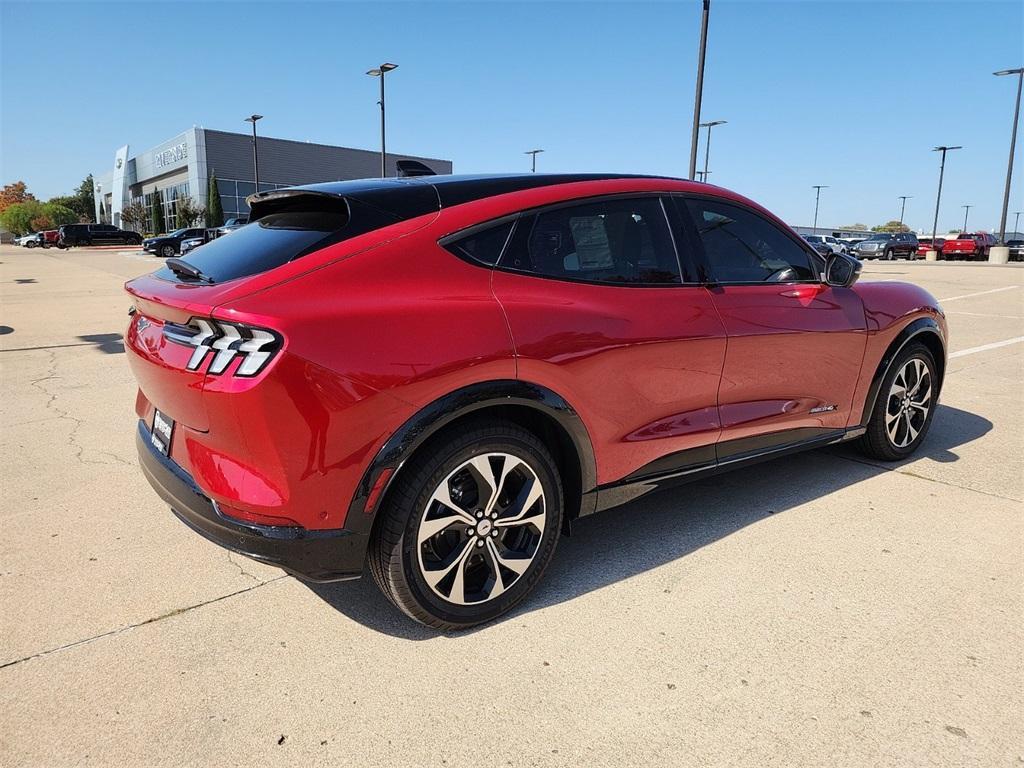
pixel 841 270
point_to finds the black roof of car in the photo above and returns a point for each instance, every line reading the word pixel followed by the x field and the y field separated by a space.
pixel 407 197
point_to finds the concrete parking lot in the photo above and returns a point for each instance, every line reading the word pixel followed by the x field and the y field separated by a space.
pixel 819 609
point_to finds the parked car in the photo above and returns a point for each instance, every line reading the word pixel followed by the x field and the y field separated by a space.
pixel 437 375
pixel 969 245
pixel 170 245
pixel 818 244
pixel 232 224
pixel 70 235
pixel 888 246
pixel 1016 249
pixel 191 243
pixel 31 240
pixel 51 237
pixel 925 244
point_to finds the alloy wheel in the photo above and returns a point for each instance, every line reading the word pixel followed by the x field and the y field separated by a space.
pixel 910 399
pixel 482 529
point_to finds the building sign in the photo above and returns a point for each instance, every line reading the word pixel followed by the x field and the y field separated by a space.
pixel 169 156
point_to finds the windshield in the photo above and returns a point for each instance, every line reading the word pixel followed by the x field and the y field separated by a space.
pixel 178 232
pixel 812 238
pixel 880 237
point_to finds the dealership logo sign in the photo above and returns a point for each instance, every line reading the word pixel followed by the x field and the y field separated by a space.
pixel 173 155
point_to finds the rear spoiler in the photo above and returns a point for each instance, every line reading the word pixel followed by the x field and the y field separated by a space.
pixel 281 200
pixel 408 168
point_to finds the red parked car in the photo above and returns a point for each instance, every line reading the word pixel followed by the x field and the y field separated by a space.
pixel 435 375
pixel 970 246
pixel 51 237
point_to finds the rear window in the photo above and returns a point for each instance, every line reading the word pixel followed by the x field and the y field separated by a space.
pixel 270 242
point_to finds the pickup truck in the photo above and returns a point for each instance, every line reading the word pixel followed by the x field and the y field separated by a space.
pixel 970 246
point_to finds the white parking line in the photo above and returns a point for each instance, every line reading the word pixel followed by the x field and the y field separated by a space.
pixel 984 314
pixel 986 347
pixel 981 293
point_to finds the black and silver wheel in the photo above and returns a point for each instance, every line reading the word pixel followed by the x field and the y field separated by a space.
pixel 905 405
pixel 167 251
pixel 469 528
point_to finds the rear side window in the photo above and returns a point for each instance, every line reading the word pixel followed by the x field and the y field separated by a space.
pixel 617 241
pixel 481 245
pixel 742 247
pixel 269 242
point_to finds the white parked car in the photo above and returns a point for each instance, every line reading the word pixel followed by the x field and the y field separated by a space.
pixel 30 240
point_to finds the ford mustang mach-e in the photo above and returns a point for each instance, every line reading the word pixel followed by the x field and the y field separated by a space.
pixel 435 376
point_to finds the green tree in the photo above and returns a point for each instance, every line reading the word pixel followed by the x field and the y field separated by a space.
pixel 18 217
pixel 58 214
pixel 156 212
pixel 80 201
pixel 214 209
pixel 861 227
pixel 891 226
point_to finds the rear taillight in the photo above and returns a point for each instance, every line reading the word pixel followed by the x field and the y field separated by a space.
pixel 225 341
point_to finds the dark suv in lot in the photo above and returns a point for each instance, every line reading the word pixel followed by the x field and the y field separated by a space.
pixel 170 245
pixel 888 246
pixel 95 234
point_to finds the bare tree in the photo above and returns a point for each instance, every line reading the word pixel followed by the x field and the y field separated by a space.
pixel 188 213
pixel 133 216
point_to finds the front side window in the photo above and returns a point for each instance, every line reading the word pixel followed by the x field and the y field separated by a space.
pixel 742 247
pixel 615 241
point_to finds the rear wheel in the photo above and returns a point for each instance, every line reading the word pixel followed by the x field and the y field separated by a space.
pixel 904 407
pixel 469 527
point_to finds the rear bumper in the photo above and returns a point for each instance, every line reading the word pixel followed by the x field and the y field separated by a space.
pixel 331 555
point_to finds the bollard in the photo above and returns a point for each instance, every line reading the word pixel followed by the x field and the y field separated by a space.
pixel 931 256
pixel 998 254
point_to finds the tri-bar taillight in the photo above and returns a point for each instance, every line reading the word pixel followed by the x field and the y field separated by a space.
pixel 226 341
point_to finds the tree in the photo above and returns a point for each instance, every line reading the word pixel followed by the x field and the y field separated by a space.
pixel 214 209
pixel 156 211
pixel 187 213
pixel 81 201
pixel 861 227
pixel 14 193
pixel 891 226
pixel 18 217
pixel 133 216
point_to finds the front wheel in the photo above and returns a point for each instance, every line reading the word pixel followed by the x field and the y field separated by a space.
pixel 470 526
pixel 167 251
pixel 888 256
pixel 904 406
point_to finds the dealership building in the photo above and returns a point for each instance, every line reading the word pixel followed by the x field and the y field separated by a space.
pixel 182 166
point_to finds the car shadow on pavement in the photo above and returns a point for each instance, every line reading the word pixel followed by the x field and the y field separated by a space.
pixel 108 343
pixel 614 545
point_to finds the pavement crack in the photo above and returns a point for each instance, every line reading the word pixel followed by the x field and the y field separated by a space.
pixel 241 570
pixel 153 620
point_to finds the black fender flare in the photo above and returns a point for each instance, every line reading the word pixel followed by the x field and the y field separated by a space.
pixel 404 442
pixel 913 330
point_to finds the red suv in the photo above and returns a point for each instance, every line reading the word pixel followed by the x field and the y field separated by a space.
pixel 436 375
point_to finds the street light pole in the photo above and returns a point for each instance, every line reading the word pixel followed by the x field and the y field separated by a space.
pixel 255 154
pixel 1016 222
pixel 903 208
pixel 967 209
pixel 380 71
pixel 533 158
pixel 938 197
pixel 1013 142
pixel 700 87
pixel 817 196
pixel 707 143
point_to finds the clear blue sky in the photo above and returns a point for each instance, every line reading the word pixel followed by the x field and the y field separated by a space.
pixel 849 94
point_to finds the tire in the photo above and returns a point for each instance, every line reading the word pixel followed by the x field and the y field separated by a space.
pixel 30 244
pixel 881 442
pixel 888 256
pixel 167 251
pixel 419 569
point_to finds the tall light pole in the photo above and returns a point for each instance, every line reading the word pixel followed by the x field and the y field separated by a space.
pixel 1013 142
pixel 1016 222
pixel 707 143
pixel 533 158
pixel 817 196
pixel 967 209
pixel 380 71
pixel 255 155
pixel 700 87
pixel 903 207
pixel 938 197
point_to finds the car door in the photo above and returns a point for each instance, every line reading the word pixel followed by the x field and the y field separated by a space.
pixel 795 344
pixel 601 313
